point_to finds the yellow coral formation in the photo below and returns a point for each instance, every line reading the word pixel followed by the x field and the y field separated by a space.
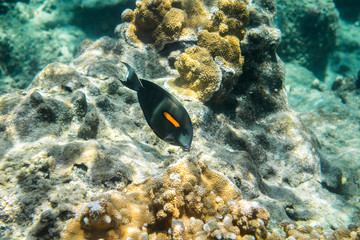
pixel 150 13
pixel 231 18
pixel 200 77
pixel 109 216
pixel 190 201
pixel 226 48
pixel 171 26
pixel 127 15
pixel 159 22
pixel 197 13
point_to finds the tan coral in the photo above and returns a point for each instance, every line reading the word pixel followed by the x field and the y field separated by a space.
pixel 234 9
pixel 227 48
pixel 150 13
pixel 159 22
pixel 197 13
pixel 127 15
pixel 201 67
pixel 218 183
pixel 200 77
pixel 231 18
pixel 171 27
pixel 108 216
pixel 190 201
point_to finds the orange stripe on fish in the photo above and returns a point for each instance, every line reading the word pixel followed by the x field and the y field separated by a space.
pixel 171 119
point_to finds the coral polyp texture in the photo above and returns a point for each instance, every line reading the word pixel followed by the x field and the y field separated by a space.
pixel 200 77
pixel 190 201
pixel 157 23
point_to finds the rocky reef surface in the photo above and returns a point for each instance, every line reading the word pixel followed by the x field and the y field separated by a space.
pixel 78 160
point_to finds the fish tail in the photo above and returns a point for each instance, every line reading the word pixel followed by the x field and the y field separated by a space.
pixel 132 80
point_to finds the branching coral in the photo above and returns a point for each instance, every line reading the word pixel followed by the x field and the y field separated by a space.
pixel 190 201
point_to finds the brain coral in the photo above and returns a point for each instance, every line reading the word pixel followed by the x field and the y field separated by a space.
pixel 189 201
pixel 216 26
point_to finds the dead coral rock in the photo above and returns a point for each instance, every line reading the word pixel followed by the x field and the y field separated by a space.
pixel 89 128
pixel 57 75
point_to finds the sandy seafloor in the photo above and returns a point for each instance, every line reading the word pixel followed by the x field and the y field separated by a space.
pixel 36 33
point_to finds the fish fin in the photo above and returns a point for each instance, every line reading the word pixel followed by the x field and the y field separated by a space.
pixel 170 138
pixel 132 80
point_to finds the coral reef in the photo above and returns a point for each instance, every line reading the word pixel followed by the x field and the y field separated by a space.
pixel 294 231
pixel 343 87
pixel 187 202
pixel 161 22
pixel 200 76
pixel 76 137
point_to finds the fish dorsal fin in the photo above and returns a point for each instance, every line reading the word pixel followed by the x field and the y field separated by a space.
pixel 132 80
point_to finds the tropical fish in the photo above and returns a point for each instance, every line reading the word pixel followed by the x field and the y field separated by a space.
pixel 163 112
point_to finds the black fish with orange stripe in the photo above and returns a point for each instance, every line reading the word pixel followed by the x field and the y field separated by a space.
pixel 163 112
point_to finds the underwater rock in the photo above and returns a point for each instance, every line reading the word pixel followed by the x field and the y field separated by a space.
pixel 36 99
pixel 89 128
pixel 309 36
pixel 331 115
pixel 45 228
pixel 80 104
pixel 345 87
pixel 68 141
pixel 345 60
